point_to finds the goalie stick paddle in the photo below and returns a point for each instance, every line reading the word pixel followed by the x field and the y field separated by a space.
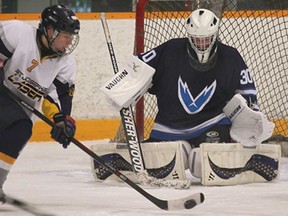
pixel 126 114
pixel 176 204
pixel 23 205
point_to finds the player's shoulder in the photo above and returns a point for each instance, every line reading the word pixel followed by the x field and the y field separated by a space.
pixel 17 32
pixel 176 43
pixel 16 27
pixel 227 50
pixel 17 24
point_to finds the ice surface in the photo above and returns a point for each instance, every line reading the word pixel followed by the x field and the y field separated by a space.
pixel 59 181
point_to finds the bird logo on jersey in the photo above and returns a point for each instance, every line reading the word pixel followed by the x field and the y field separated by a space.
pixel 194 105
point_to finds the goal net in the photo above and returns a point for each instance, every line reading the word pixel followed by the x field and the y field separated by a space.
pixel 257 28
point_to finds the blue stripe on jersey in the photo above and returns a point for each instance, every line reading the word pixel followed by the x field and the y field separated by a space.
pixel 247 92
pixel 4 51
pixel 162 132
pixel 65 96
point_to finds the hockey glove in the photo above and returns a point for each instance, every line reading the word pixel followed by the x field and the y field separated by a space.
pixel 64 129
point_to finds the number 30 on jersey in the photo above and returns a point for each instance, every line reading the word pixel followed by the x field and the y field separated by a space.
pixel 245 77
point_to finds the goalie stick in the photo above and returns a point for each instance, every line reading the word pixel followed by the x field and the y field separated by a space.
pixel 23 206
pixel 169 205
pixel 126 114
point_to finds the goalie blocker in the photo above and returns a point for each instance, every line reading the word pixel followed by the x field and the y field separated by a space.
pixel 127 86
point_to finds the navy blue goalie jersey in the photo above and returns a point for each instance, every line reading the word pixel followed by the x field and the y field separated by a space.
pixel 190 101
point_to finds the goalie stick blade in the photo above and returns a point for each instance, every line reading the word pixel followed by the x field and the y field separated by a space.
pixel 23 206
pixel 182 203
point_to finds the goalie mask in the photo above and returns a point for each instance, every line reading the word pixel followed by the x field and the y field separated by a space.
pixel 61 19
pixel 202 29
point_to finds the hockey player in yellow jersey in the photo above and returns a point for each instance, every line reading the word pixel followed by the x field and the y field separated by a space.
pixel 35 64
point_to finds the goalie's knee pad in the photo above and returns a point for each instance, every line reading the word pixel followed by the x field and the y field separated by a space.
pixel 186 149
pixel 194 162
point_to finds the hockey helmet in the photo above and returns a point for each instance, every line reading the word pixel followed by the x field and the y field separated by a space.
pixel 202 27
pixel 60 18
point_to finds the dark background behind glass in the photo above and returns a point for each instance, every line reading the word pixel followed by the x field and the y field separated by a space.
pixel 36 6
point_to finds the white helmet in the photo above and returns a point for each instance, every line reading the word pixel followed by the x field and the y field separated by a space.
pixel 202 29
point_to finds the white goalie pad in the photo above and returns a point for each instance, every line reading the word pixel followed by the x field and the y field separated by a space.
pixel 248 127
pixel 127 86
pixel 163 160
pixel 233 163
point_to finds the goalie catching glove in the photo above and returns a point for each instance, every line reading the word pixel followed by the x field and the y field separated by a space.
pixel 127 86
pixel 64 129
pixel 249 127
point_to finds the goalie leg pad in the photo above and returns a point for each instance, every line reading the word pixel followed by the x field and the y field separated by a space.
pixel 186 149
pixel 194 161
pixel 233 163
pixel 163 160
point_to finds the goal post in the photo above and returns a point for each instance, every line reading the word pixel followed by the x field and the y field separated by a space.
pixel 257 28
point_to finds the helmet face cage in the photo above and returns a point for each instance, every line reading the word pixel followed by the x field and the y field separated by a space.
pixel 73 45
pixel 61 19
pixel 70 48
pixel 202 45
pixel 202 30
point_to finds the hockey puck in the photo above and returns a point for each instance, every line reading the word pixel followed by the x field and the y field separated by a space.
pixel 190 204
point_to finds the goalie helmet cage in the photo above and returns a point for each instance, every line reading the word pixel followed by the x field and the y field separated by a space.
pixel 257 28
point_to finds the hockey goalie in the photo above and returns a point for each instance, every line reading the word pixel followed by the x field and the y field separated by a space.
pixel 213 163
pixel 208 122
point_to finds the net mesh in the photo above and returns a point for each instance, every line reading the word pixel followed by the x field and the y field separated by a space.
pixel 258 29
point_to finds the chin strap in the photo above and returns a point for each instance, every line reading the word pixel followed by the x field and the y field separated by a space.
pixel 51 41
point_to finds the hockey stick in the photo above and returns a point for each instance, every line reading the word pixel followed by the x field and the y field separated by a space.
pixel 130 130
pixel 177 204
pixel 126 114
pixel 23 206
